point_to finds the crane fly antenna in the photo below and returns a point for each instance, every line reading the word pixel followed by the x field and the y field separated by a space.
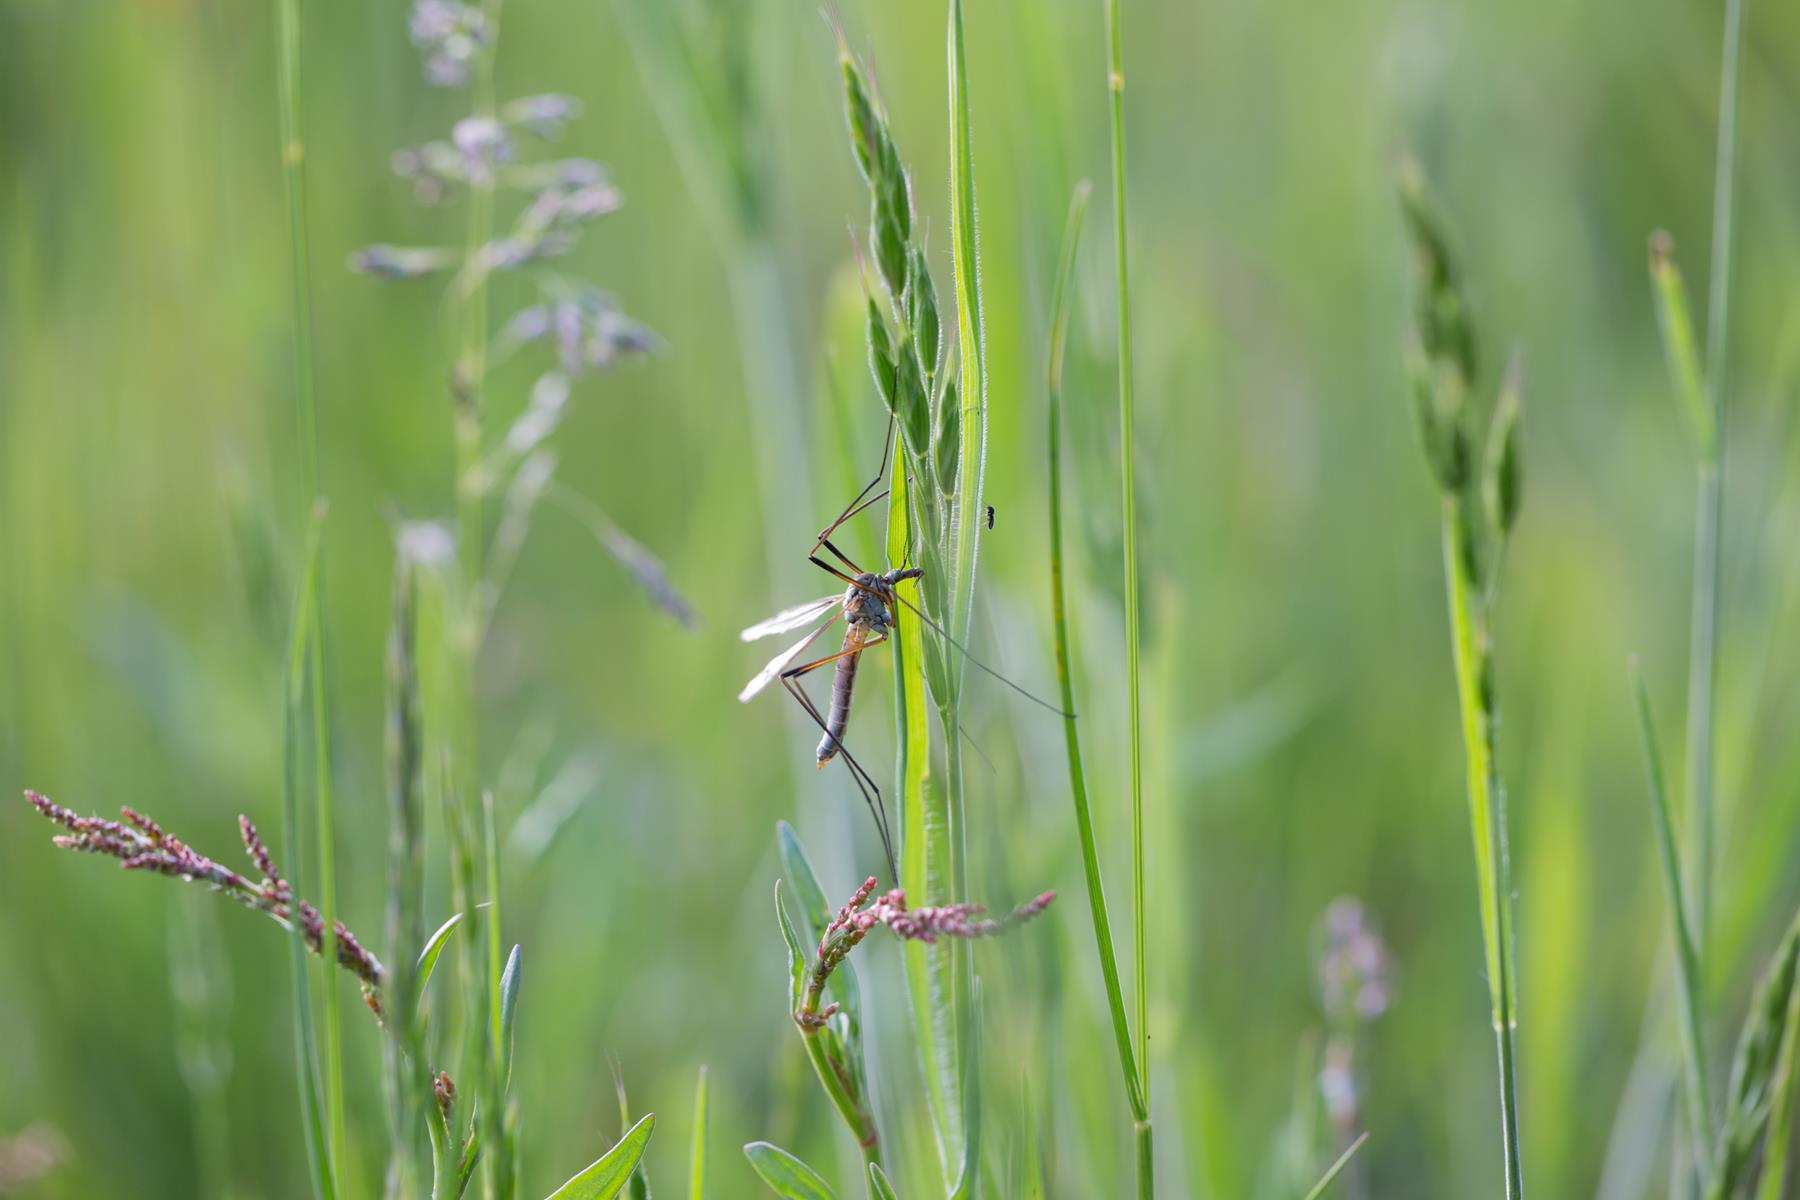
pixel 945 634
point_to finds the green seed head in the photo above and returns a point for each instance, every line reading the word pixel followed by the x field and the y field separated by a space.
pixel 1501 483
pixel 949 440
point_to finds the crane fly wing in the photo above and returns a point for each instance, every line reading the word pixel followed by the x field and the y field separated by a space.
pixel 780 662
pixel 791 618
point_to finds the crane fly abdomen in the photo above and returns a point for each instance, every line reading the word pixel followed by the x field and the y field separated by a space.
pixel 843 684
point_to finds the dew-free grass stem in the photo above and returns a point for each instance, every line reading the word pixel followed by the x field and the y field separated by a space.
pixel 1687 974
pixel 1472 654
pixel 1115 82
pixel 1084 818
pixel 293 159
pixel 1709 500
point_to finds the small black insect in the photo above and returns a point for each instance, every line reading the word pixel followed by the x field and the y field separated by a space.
pixel 990 509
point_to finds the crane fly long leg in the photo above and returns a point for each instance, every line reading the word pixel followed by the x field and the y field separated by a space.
pixel 857 505
pixel 964 650
pixel 865 782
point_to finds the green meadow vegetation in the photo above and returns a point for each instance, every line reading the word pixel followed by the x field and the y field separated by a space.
pixel 1304 495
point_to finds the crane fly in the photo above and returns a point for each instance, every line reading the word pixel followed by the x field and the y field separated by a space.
pixel 869 606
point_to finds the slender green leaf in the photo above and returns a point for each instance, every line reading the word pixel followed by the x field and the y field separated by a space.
pixel 879 1187
pixel 798 870
pixel 1687 958
pixel 1059 608
pixel 697 1159
pixel 434 948
pixel 306 1053
pixel 968 1178
pixel 1031 1162
pixel 787 1175
pixel 1778 1143
pixel 1337 1168
pixel 509 1009
pixel 797 956
pixel 608 1176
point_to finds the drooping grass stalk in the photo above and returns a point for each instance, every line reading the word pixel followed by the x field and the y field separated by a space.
pixel 1479 491
pixel 1115 84
pixel 1687 957
pixel 306 1053
pixel 293 158
pixel 1709 487
pixel 1084 818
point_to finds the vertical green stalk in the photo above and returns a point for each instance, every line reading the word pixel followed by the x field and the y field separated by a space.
pixel 293 158
pixel 1687 974
pixel 306 1054
pixel 1084 818
pixel 1472 651
pixel 1115 83
pixel 1709 500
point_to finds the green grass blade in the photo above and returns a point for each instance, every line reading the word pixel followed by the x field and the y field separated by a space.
pixel 1778 1146
pixel 786 1174
pixel 609 1174
pixel 1487 821
pixel 306 1052
pixel 1128 489
pixel 1084 817
pixel 971 336
pixel 434 949
pixel 509 1011
pixel 697 1157
pixel 1337 1168
pixel 924 834
pixel 879 1187
pixel 1709 510
pixel 1687 958
pixel 797 869
pixel 1031 1159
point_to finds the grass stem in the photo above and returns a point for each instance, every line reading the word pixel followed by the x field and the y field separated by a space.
pixel 293 160
pixel 1472 653
pixel 1084 818
pixel 1709 501
pixel 1687 974
pixel 1115 83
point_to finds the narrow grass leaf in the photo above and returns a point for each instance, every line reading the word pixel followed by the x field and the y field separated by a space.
pixel 697 1157
pixel 786 1174
pixel 434 949
pixel 608 1176
pixel 797 956
pixel 312 1110
pixel 879 1187
pixel 1337 1168
pixel 509 1009
pixel 1059 609
pixel 1778 1146
pixel 1687 959
pixel 1754 1069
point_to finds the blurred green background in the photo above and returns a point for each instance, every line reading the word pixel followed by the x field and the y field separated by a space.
pixel 1301 742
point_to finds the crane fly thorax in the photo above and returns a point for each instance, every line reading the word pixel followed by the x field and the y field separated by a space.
pixel 868 606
